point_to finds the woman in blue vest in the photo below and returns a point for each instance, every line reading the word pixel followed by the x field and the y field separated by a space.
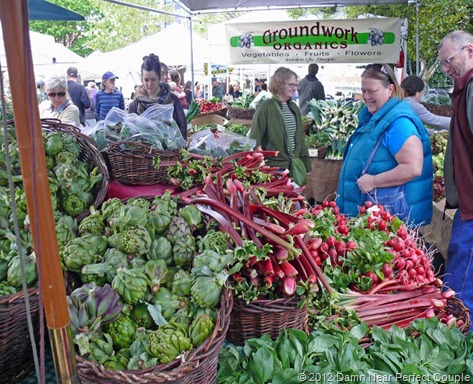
pixel 404 156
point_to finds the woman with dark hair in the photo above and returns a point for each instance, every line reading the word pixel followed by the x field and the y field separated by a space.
pixel 154 91
pixel 413 87
pixel 389 148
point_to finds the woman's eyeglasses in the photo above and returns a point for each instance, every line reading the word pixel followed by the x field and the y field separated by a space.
pixel 58 94
pixel 292 85
pixel 449 59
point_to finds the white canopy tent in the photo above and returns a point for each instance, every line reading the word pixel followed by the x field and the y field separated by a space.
pixel 48 56
pixel 172 45
pixel 210 6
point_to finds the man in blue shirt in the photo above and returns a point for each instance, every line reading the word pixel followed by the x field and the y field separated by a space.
pixel 108 97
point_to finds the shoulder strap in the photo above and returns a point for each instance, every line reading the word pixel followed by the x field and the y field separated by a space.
pixel 373 152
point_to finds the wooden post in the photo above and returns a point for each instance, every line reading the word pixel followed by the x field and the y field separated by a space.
pixel 15 26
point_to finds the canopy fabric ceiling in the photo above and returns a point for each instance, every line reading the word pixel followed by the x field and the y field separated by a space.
pixel 196 6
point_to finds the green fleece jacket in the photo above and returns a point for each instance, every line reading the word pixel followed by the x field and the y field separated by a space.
pixel 269 131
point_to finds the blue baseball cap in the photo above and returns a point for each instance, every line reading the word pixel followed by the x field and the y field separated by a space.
pixel 108 76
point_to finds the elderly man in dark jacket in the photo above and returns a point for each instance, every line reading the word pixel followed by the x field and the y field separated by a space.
pixel 310 88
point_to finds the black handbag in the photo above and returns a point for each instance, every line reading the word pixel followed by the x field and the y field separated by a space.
pixel 393 199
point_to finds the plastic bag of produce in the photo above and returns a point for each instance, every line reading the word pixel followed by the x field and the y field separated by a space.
pixel 219 144
pixel 155 127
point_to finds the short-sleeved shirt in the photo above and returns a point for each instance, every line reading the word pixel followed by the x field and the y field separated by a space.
pixel 397 134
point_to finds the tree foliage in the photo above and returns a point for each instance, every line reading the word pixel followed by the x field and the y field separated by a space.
pixel 435 19
pixel 106 27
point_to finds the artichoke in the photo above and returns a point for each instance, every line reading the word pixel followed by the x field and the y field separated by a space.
pixel 156 271
pixel 192 215
pixel 122 332
pixel 206 290
pixel 141 316
pixel 101 348
pixel 161 249
pixel 215 241
pixel 178 229
pixel 136 240
pixel 113 259
pixel 14 271
pixel 168 342
pixel 183 251
pixel 93 223
pixel 212 260
pixel 181 284
pixel 201 327
pixel 84 250
pixel 131 284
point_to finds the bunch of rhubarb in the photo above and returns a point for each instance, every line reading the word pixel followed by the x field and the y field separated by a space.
pixel 268 236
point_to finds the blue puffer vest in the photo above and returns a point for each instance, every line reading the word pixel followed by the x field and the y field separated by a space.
pixel 419 190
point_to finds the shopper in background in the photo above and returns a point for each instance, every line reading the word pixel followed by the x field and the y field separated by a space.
pixel 455 55
pixel 155 91
pixel 108 97
pixel 188 92
pixel 277 123
pixel 78 93
pixel 310 88
pixel 58 105
pixel 413 87
pixel 217 89
pixel 181 95
pixel 198 91
pixel 235 92
pixel 41 91
pixel 90 115
pixel 404 156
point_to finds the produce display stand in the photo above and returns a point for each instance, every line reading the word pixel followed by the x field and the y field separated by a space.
pixel 439 231
pixel 322 181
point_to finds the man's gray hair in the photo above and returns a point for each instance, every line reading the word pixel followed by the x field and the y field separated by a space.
pixel 458 38
pixel 56 83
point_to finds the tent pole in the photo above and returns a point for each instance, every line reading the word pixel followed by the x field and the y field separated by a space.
pixel 192 54
pixel 14 17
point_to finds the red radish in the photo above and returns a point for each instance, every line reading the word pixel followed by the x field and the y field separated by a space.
pixel 331 241
pixel 399 264
pixel 387 270
pixel 351 245
pixel 373 276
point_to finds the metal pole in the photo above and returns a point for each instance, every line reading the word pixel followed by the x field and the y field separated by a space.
pixel 14 20
pixel 417 38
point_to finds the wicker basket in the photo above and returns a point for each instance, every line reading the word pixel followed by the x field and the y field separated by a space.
pixel 456 308
pixel 221 112
pixel 133 163
pixel 240 113
pixel 441 110
pixel 89 154
pixel 198 366
pixel 16 356
pixel 265 316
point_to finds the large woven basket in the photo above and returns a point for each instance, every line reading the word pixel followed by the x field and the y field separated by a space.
pixel 16 353
pixel 133 163
pixel 456 308
pixel 221 112
pixel 265 316
pixel 441 110
pixel 89 154
pixel 198 366
pixel 240 113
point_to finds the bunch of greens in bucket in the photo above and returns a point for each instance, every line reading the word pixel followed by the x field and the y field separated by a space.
pixel 334 122
pixel 244 101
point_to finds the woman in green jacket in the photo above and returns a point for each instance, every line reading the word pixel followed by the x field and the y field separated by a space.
pixel 277 123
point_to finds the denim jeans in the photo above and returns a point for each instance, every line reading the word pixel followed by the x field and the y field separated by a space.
pixel 459 269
